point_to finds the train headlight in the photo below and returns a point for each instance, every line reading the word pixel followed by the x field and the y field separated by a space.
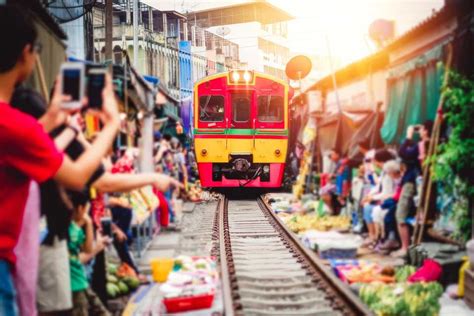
pixel 203 152
pixel 247 76
pixel 266 169
pixel 241 76
pixel 235 76
pixel 277 152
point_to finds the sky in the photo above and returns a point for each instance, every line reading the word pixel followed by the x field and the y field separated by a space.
pixel 336 26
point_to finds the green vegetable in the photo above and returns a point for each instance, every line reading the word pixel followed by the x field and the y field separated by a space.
pixel 123 287
pixel 112 290
pixel 112 268
pixel 131 282
pixel 112 278
pixel 407 299
pixel 404 272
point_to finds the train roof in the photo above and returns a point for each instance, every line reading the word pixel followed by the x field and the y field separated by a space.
pixel 226 73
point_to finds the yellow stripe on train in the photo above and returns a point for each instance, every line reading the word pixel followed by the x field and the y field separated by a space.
pixel 219 149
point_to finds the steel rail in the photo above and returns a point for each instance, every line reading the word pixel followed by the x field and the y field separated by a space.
pixel 223 245
pixel 315 264
pixel 336 293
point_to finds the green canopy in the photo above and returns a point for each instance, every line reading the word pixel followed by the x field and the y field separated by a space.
pixel 413 94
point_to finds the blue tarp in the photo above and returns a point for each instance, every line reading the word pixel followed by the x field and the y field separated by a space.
pixel 151 79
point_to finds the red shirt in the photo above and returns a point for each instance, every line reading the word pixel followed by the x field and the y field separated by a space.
pixel 26 152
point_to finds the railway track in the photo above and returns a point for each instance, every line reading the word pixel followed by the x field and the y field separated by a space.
pixel 266 271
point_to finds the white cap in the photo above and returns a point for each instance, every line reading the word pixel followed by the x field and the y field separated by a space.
pixel 391 166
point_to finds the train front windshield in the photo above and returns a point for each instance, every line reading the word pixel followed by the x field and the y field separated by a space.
pixel 270 108
pixel 211 108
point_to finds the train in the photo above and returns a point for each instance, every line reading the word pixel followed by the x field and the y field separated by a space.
pixel 241 129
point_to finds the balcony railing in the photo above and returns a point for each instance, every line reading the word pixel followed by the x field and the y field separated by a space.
pixel 119 31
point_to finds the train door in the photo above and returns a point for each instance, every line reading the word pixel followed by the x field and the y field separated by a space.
pixel 241 109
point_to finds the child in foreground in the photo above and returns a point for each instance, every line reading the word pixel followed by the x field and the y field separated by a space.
pixel 81 250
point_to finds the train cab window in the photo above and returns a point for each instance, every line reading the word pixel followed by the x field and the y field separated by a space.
pixel 241 107
pixel 270 108
pixel 211 108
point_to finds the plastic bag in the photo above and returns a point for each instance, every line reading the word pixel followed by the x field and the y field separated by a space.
pixel 428 272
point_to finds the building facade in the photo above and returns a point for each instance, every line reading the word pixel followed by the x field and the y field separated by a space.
pixel 259 28
pixel 167 48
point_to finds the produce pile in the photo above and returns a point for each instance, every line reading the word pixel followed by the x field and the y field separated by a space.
pixel 194 191
pixel 408 299
pixel 121 280
pixel 308 204
pixel 403 273
pixel 300 223
pixel 367 272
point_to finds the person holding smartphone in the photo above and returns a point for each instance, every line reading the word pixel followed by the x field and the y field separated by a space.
pixel 410 148
pixel 26 151
pixel 53 254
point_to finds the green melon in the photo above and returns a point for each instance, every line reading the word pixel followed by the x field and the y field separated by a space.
pixel 123 287
pixel 112 268
pixel 112 290
pixel 132 282
pixel 112 278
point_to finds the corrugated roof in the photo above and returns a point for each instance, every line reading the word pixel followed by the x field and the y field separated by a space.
pixel 445 13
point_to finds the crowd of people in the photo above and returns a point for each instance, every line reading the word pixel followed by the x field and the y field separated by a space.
pixel 52 175
pixel 173 159
pixel 383 190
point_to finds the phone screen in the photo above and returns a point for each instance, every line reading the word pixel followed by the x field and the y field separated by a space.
pixel 71 83
pixel 106 226
pixel 95 85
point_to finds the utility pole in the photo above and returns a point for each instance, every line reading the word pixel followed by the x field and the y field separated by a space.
pixel 108 29
pixel 333 75
pixel 135 34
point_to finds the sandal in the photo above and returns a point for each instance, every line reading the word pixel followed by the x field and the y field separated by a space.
pixel 367 242
pixel 373 245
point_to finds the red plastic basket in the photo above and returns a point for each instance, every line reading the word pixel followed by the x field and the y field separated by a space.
pixel 182 304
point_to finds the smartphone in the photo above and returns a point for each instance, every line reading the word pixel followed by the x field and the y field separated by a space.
pixel 95 85
pixel 106 223
pixel 72 84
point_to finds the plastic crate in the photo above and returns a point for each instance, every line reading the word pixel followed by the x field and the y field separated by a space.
pixel 188 303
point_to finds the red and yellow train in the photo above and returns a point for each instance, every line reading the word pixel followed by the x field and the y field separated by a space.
pixel 241 129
